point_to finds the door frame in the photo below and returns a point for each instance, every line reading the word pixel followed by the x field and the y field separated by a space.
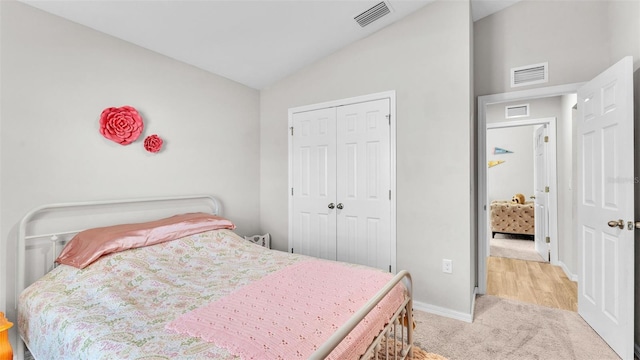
pixel 548 221
pixel 482 203
pixel 552 175
pixel 391 95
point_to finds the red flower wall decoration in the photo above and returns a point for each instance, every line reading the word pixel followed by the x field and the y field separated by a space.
pixel 153 143
pixel 122 125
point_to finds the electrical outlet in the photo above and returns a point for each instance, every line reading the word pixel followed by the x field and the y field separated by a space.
pixel 447 266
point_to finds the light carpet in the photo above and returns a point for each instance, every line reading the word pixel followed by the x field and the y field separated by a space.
pixel 514 248
pixel 506 329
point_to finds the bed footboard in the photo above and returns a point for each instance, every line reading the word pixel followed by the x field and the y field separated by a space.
pixel 395 341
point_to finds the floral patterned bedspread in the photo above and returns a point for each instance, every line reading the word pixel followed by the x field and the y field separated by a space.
pixel 118 307
pixel 111 299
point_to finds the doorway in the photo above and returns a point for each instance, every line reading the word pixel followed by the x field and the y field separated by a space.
pixel 521 170
pixel 484 233
pixel 518 265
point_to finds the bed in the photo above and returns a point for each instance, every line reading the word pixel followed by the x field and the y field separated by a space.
pixel 210 294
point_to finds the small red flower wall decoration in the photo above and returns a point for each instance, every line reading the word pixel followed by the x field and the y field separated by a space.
pixel 153 143
pixel 122 125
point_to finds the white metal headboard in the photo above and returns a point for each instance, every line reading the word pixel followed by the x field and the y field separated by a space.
pixel 22 228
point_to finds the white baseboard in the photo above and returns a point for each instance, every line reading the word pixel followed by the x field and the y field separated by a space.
pixel 437 310
pixel 572 277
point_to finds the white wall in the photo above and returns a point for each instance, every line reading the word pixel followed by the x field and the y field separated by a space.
pixel 426 59
pixel 624 30
pixel 58 76
pixel 515 174
pixel 570 35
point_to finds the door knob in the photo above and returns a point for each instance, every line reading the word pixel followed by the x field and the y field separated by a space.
pixel 619 223
pixel 340 206
pixel 331 206
pixel 636 225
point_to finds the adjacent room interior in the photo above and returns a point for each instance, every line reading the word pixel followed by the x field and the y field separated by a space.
pixel 518 267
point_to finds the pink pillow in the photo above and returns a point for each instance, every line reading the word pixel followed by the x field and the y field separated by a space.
pixel 89 245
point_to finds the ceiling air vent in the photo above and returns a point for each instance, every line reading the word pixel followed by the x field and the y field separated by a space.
pixel 516 111
pixel 530 74
pixel 376 12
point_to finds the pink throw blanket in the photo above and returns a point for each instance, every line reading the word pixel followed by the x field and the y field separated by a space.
pixel 290 313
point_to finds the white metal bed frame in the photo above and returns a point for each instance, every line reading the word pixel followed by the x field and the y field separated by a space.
pixel 395 341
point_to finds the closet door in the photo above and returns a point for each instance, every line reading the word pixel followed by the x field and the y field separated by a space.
pixel 363 206
pixel 314 183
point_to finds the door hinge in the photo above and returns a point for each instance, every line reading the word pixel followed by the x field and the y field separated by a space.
pixel 292 250
pixel 546 189
pixel 546 139
pixel 291 191
pixel 547 239
pixel 389 194
pixel 389 119
pixel 291 128
pixel 389 268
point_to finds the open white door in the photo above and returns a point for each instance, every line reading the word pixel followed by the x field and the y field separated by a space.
pixel 541 192
pixel 606 206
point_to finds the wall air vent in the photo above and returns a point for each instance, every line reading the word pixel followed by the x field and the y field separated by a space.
pixel 376 12
pixel 530 74
pixel 516 111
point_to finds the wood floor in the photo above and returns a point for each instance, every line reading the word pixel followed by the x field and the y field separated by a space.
pixel 532 282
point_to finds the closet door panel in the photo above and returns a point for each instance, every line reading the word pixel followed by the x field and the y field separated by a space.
pixel 314 183
pixel 363 184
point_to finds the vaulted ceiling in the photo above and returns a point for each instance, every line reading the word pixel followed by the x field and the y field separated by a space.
pixel 253 42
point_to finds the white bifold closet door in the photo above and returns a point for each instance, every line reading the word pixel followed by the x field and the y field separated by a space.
pixel 341 177
pixel 314 179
